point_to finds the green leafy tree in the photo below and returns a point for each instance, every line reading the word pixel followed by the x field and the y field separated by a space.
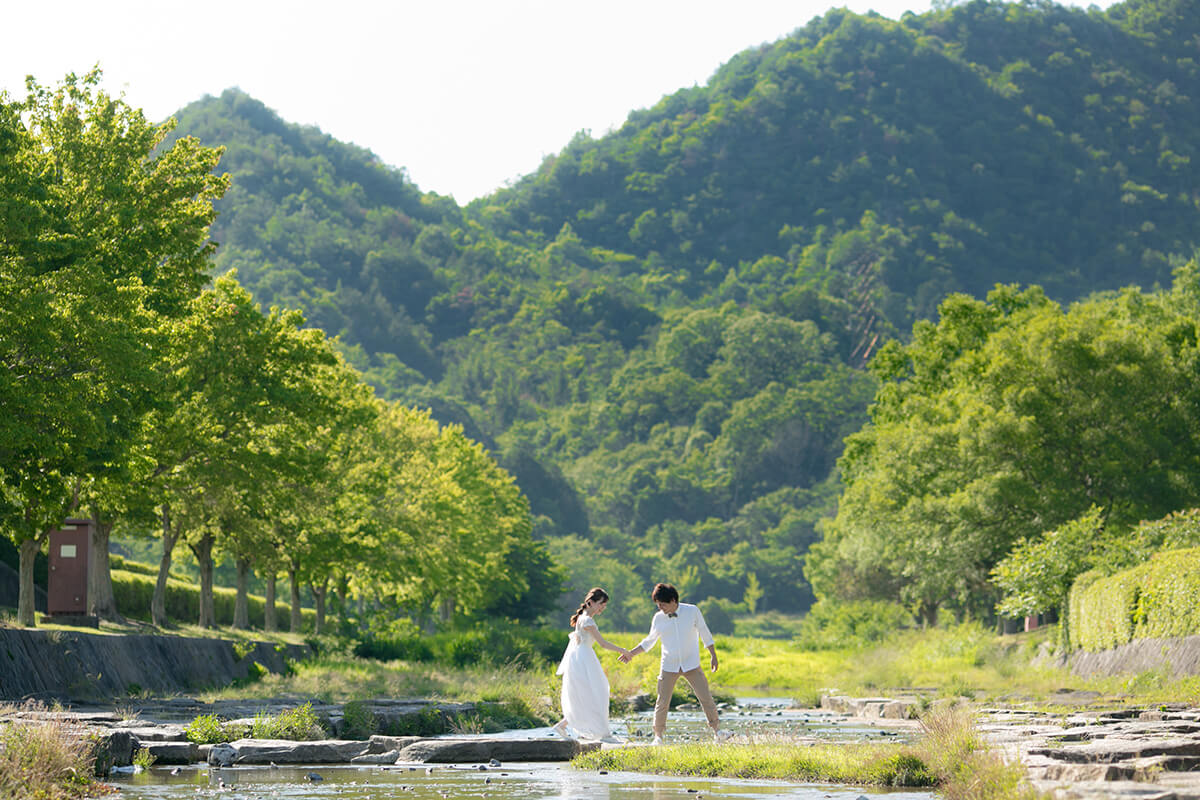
pixel 111 234
pixel 1007 419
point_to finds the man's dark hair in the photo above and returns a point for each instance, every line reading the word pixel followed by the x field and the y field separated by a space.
pixel 665 593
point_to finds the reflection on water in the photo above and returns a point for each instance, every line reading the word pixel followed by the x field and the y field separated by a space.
pixel 535 781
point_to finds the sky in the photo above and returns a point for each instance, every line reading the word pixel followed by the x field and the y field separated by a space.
pixel 464 95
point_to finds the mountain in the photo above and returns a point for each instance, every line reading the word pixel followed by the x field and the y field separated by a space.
pixel 662 332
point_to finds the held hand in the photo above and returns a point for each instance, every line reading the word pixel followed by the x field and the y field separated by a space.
pixel 625 657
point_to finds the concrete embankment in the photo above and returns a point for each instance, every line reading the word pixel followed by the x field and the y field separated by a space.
pixel 1178 657
pixel 69 666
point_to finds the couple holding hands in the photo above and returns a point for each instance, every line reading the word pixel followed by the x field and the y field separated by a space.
pixel 676 625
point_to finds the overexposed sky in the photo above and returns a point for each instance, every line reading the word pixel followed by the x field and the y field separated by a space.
pixel 466 95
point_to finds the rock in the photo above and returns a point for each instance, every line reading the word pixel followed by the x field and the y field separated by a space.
pixel 155 733
pixel 173 752
pixel 324 751
pixel 388 757
pixel 113 749
pixel 641 702
pixel 453 751
pixel 220 755
pixel 382 744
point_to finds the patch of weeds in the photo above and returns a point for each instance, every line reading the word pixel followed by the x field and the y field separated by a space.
pixel 255 672
pixel 50 758
pixel 144 758
pixel 295 724
pixel 466 723
pixel 429 721
pixel 211 729
pixel 358 721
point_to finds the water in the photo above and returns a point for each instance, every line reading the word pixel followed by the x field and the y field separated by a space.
pixel 527 781
pixel 753 720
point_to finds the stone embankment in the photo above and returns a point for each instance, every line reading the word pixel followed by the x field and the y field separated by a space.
pixel 70 666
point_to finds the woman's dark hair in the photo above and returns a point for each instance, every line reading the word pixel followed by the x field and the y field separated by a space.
pixel 665 593
pixel 596 595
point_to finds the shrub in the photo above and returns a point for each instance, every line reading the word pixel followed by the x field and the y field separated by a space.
pixel 494 644
pixel 718 614
pixel 297 724
pixel 358 721
pixel 49 759
pixel 1153 600
pixel 211 729
pixel 830 626
pixel 408 648
pixel 133 590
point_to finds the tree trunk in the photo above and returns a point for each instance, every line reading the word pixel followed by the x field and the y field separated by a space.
pixel 26 616
pixel 241 606
pixel 203 551
pixel 319 593
pixel 100 600
pixel 158 604
pixel 342 589
pixel 929 614
pixel 269 606
pixel 294 579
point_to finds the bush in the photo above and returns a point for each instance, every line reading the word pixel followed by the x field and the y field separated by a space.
pixel 494 644
pixel 830 626
pixel 358 721
pixel 718 614
pixel 211 729
pixel 133 590
pixel 296 724
pixel 1153 600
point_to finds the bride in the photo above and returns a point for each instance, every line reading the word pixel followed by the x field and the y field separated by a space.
pixel 585 686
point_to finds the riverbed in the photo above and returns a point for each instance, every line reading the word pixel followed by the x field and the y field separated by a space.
pixel 751 721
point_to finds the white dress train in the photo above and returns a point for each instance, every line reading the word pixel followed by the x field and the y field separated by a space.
pixel 585 686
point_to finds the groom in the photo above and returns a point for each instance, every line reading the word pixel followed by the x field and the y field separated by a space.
pixel 678 625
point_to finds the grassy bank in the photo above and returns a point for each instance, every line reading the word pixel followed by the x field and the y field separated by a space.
pixel 959 661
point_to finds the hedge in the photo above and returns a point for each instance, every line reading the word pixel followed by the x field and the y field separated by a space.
pixel 1154 600
pixel 133 591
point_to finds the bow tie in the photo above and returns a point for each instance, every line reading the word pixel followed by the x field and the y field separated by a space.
pixel 672 614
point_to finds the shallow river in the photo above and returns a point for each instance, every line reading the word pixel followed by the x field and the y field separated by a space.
pixel 530 781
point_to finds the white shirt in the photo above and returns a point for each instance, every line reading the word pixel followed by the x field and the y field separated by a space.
pixel 678 634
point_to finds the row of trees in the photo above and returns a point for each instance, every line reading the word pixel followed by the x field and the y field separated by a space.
pixel 138 397
pixel 1013 444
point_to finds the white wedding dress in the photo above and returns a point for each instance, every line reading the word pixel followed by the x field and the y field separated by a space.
pixel 585 686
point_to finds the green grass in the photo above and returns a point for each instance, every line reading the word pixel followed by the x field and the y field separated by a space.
pixel 859 764
pixel 49 759
pixel 950 756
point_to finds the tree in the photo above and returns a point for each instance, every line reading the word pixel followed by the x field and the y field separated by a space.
pixel 236 374
pixel 1037 575
pixel 110 235
pixel 1006 420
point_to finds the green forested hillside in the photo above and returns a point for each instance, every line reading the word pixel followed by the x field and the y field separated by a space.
pixel 662 331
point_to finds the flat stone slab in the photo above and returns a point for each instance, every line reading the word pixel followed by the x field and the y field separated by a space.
pixel 172 752
pixel 1103 751
pixel 279 751
pixel 476 750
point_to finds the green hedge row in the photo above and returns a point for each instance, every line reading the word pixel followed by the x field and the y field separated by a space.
pixel 496 644
pixel 133 592
pixel 1154 600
